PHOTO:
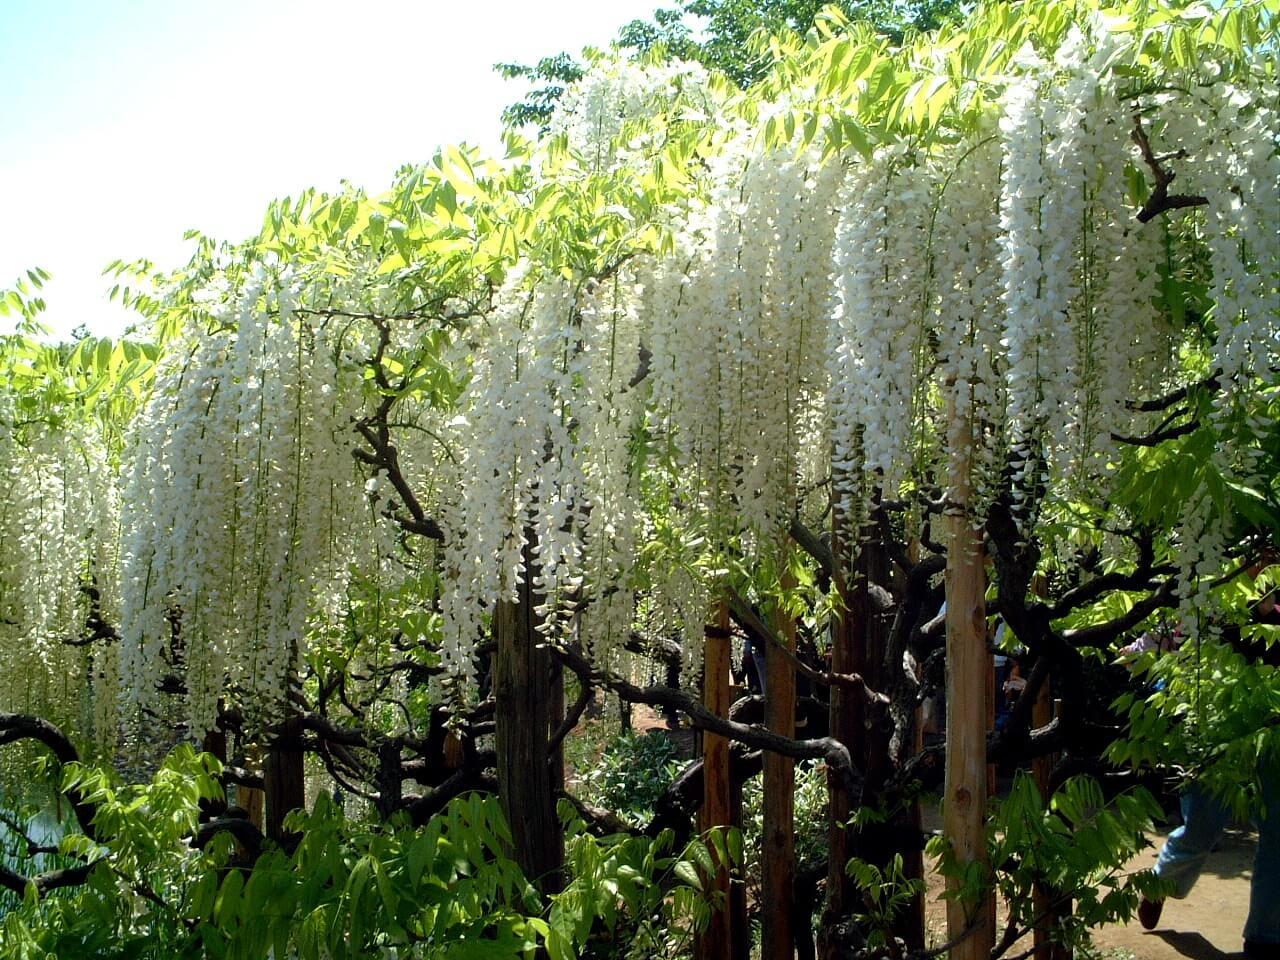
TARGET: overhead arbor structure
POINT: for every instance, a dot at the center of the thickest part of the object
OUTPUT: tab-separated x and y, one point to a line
555	409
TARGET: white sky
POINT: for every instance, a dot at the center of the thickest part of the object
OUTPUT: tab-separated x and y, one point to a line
125	122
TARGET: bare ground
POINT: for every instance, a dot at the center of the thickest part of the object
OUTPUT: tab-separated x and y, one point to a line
1205	926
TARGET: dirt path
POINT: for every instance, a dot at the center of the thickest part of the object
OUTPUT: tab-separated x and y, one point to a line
1205	926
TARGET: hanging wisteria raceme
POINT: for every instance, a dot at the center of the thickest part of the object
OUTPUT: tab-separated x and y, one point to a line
809	302
519	496
739	313
242	506
556	381
1224	141
811	319
1243	231
617	114
609	414
966	269
878	330
1070	112
790	216
1122	342
1029	316
58	535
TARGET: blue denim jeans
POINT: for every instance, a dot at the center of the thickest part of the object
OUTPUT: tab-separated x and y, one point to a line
1204	819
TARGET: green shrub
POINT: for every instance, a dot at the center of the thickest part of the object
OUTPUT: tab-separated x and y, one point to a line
634	771
351	890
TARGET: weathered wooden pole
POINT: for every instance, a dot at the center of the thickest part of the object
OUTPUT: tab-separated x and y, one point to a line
215	743
1044	898
522	674
251	798
1042	715
283	779
715	943
555	716
778	856
970	920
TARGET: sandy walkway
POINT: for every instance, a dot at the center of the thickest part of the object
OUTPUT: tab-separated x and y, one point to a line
1205	926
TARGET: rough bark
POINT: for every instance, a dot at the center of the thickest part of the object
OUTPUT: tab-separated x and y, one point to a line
968	664
522	674
284	782
715	942
848	725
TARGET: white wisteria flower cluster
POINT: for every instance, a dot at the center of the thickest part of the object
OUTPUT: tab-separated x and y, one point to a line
59	531
986	300
810	326
241	506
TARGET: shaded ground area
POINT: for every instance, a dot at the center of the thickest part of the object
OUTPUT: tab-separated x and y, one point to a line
1205	926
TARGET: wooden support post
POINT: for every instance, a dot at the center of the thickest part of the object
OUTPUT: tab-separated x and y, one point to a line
859	646
715	942
1044	711
778	860
215	743
1041	715
522	733
250	798
283	780
964	805
993	778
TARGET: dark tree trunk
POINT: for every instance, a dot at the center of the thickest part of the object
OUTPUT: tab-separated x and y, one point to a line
284	783
847	724
860	640
902	834
717	805
215	743
522	674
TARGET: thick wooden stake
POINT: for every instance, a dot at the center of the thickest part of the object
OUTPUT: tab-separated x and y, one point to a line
993	779
250	798
1041	715
1044	711
283	780
522	713
778	860
717	808
902	834
215	742
969	920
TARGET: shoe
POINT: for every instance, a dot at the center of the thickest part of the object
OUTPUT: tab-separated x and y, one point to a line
1149	913
1257	950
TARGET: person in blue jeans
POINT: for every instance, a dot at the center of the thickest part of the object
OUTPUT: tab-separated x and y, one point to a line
1185	852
